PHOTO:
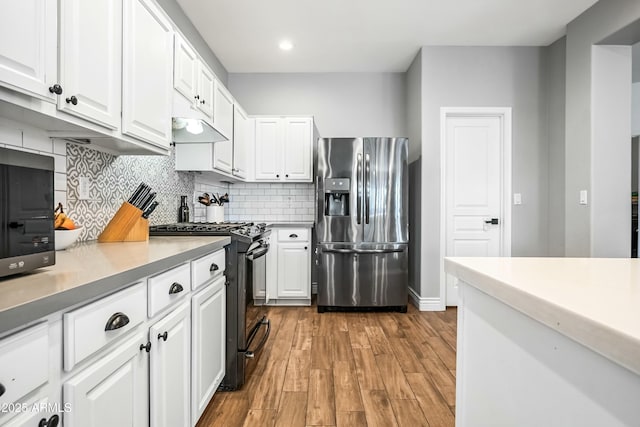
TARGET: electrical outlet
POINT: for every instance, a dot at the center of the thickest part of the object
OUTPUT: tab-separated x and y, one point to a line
83	188
517	199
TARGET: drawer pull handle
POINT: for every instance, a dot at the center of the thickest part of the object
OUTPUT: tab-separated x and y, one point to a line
2	389
214	267
53	421
116	321
163	336
146	347
293	236
175	288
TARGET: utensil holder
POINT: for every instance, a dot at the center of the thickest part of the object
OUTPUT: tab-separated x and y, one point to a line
215	213
127	225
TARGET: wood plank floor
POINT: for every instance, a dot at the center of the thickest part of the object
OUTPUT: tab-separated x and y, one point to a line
347	369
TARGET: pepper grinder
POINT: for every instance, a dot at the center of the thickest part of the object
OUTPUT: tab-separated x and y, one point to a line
183	210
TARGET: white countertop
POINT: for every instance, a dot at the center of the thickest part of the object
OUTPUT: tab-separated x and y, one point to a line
89	269
593	301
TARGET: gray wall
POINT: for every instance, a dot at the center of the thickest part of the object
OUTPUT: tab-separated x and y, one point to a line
175	12
597	23
414	128
343	104
486	77
554	90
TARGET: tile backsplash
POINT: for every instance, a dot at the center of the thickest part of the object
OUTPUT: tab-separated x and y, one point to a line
112	179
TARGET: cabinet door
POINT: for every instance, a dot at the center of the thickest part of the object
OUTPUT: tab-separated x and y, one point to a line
185	69
294	267
268	149
298	142
113	391
170	367
39	409
91	60
208	345
223	120
206	91
29	48
271	291
147	73
240	142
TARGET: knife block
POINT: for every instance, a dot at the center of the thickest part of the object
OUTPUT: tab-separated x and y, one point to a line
127	225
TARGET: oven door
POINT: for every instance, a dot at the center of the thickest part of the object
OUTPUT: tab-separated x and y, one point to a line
258	326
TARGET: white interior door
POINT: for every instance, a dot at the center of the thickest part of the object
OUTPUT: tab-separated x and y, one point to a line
473	190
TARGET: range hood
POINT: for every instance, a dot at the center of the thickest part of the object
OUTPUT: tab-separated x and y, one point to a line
192	130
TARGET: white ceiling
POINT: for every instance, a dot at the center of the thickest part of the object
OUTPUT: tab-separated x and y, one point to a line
367	35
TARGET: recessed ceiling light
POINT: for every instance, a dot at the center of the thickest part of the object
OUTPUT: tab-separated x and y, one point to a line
286	45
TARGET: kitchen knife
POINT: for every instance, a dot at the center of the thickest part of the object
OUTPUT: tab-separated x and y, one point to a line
141	197
150	209
147	201
136	193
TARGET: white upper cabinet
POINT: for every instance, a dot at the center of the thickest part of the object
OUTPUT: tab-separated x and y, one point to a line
147	73
241	135
29	48
91	60
283	149
206	92
298	142
223	120
185	69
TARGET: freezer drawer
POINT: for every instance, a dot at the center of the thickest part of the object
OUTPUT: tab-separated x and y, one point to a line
354	277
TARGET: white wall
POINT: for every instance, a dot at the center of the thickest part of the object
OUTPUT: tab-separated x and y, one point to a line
597	23
486	77
343	104
611	150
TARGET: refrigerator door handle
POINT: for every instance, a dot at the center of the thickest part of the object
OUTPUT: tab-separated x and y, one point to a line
359	189
367	184
363	251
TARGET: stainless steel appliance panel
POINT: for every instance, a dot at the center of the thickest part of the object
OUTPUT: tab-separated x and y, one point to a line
364	276
386	180
340	158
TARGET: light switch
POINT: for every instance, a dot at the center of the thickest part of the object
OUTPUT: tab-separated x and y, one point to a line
583	197
83	188
517	199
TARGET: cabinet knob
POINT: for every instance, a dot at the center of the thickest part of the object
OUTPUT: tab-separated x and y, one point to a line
305	248
52	422
197	97
146	347
277	175
56	88
72	100
202	102
116	321
163	336
175	288
2	389
286	176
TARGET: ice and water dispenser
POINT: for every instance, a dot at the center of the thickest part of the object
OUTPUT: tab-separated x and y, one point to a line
336	197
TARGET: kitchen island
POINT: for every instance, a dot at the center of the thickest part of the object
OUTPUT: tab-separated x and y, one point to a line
90	269
547	341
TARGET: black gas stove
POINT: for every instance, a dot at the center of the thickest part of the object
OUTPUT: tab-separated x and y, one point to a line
246	231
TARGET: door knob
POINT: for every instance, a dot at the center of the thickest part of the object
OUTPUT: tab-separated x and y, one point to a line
492	221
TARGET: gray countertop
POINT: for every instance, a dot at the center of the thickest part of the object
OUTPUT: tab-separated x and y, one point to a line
89	270
303	224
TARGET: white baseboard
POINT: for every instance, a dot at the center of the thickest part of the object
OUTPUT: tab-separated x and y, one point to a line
425	304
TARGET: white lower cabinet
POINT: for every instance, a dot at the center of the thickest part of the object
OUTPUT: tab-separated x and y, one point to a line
207	345
41	411
170	368
288	268
113	391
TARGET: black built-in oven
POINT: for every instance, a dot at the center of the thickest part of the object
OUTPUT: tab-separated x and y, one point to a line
26	211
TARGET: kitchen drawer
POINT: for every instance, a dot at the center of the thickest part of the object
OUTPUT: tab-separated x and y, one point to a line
293	235
206	268
168	288
85	329
24	363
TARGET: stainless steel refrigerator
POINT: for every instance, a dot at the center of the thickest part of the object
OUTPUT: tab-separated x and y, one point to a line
362	226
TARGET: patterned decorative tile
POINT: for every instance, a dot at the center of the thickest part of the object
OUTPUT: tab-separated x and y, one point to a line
114	178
